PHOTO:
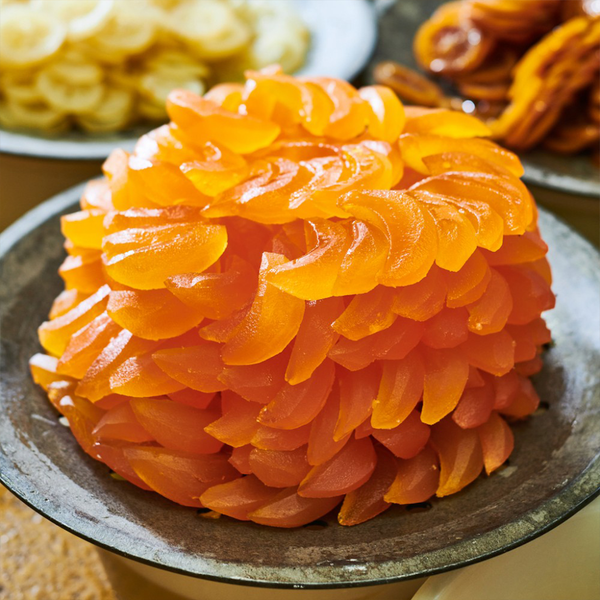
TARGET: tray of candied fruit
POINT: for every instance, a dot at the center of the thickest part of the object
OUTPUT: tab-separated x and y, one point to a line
303	306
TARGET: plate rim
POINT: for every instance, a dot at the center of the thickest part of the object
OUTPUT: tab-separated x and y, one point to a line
580	491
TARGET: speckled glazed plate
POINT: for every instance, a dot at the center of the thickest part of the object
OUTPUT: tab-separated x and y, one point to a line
398	26
343	36
554	470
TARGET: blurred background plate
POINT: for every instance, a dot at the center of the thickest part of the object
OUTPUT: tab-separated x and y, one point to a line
566	174
343	36
554	469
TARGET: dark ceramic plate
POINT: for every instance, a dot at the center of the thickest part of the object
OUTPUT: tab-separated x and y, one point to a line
553	471
398	26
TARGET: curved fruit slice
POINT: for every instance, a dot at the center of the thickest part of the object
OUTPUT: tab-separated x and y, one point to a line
506	389
407	439
83	271
177	426
517	249
497	442
288	509
417	479
446	374
271	323
424	299
474	407
280	469
240	459
114	458
387	113
179	476
525	401
469	284
460	454
216	295
443	122
196	367
367	501
44	370
151	314
493	353
297	405
239	497
65	301
268	438
350	468
192	398
314	339
400	390
120	423
490	313
321	443
202	119
358	392
528	338
84	228
447	329
237	426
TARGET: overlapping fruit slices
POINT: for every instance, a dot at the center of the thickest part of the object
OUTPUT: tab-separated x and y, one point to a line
299	295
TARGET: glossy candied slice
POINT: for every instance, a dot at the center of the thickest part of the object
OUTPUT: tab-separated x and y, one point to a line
86	344
366	314
497	442
416	479
528	338
314	339
177	426
529	368
525	401
152	314
82	416
221	331
400	390
83	272
120	423
463	161
237	425
530	291
469	284
279	468
257	383
490	313
367	501
447	329
269	438
205	120
457	238
163	144
517	249
347	470
84	228
407	439
226	95
114	458
321	443
416	147
410	85
443	122
55	335
393	343
270	325
216	295
424	299
410	232
143	258
313	276
287	509
239	497
240	459
358	392
363	261
44	370
506	389
297	405
216	172
475	379
475	406
160	182
350	114
96	195
446	374
386	120
179	476
460	455
493	353
65	301
143	218
193	397
448	43
196	367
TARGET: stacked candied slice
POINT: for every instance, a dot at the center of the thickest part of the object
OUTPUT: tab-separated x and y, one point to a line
298	295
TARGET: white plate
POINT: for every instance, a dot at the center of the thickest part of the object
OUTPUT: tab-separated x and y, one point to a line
343	36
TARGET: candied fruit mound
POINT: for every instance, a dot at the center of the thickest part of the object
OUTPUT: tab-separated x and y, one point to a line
297	297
